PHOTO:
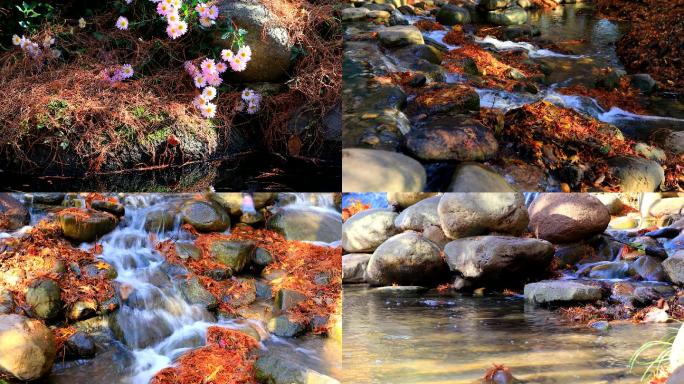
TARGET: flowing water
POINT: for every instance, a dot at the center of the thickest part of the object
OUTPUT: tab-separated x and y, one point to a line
156	322
451	338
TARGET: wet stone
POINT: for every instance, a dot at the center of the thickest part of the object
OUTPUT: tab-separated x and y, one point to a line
288	298
262	257
282	326
452	139
108	206
399	36
80	345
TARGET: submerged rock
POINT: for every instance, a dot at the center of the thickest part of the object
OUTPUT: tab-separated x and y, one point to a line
561	291
567	217
499	261
366	230
370	170
13	214
85	225
275	368
406	259
471	214
27	347
307	224
159	220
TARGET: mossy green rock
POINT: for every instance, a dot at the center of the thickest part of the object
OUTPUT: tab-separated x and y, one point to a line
234	254
195	293
205	216
43	298
284	327
86	225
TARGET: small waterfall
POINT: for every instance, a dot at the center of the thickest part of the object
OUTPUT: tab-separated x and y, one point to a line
156	321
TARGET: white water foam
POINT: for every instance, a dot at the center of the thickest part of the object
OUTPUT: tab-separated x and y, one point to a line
532	51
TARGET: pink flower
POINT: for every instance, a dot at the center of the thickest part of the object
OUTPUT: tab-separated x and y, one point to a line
214	80
206	22
191	69
208	66
221	67
227	54
237	64
200	81
164	9
122	23
212	12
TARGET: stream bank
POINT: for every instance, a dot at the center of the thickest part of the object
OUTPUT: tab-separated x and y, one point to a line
139	288
452	283
469	97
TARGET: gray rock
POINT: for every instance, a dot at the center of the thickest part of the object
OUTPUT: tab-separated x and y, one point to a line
108	206
475	177
6	302
354	14
27	347
399	36
205	216
262	257
307	224
80	345
491	5
366	230
644	82
674	267
48	198
420	215
234	254
451	14
567	217
195	293
275	368
354	267
510	16
160	220
471	214
407	199
370	170
284	327
270	41
499	261
649	268
636	174
561	291
406	259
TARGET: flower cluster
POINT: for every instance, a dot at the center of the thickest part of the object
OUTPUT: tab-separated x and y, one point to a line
252	99
206	78
169	9
33	49
113	76
207	14
238	61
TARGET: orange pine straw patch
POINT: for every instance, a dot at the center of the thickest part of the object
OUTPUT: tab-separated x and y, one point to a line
485	61
455	36
355	207
227	358
37	254
623	97
61	336
428	25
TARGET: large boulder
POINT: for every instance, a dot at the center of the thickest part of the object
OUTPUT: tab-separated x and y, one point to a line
567	217
13	214
269	40
85	225
561	292
406	259
418	216
307	224
366	230
354	267
636	174
472	214
372	170
159	220
27	347
43	299
499	261
205	216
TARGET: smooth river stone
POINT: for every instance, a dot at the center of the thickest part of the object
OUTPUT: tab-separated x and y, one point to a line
370	170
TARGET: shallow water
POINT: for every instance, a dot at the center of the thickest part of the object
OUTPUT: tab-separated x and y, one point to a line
431	338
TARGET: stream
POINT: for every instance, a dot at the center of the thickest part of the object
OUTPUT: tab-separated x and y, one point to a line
156	323
453	338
